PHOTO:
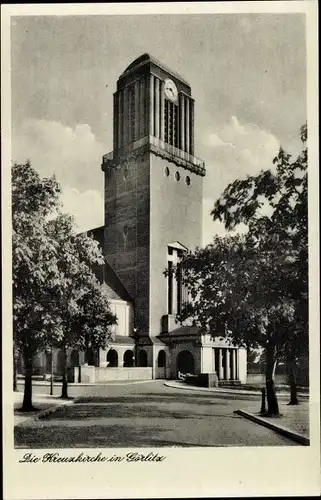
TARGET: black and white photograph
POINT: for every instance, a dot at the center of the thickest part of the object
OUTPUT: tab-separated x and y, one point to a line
160	259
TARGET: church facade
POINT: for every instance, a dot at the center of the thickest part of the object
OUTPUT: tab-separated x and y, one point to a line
153	189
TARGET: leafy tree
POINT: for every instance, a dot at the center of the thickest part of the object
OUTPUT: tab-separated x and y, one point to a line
52	274
253	288
81	304
286	229
34	270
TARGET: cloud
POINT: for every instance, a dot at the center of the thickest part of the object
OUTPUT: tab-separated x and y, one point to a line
74	156
86	207
233	150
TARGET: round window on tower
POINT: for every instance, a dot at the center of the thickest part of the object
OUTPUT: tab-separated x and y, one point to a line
177	176
187	180
166	171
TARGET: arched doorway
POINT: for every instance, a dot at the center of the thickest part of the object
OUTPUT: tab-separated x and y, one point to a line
90	357
48	362
60	362
142	358
128	358
74	358
161	360
20	365
185	362
112	358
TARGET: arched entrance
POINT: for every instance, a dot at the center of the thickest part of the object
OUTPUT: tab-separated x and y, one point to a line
112	358
48	362
185	362
74	358
142	358
90	357
128	358
60	362
161	360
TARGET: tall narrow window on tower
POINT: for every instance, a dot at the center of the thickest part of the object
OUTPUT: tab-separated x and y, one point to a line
170	123
132	114
170	288
176	293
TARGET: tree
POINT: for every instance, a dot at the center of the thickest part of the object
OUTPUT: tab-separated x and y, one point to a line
253	288
51	275
285	192
81	305
34	268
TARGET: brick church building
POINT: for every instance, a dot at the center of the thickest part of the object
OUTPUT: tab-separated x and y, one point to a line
153	188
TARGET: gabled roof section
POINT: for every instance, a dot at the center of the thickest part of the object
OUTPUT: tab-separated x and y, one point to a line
110	281
116	287
98	234
178	246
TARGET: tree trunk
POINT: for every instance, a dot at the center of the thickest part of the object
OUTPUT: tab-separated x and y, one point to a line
64	391
272	402
27	397
291	365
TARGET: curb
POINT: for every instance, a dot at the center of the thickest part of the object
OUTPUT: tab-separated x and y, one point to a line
284	431
52	409
92	384
177	385
44	413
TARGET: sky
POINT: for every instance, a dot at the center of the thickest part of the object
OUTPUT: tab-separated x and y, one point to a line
247	73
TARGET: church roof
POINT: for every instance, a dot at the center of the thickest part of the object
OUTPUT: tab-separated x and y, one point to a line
111	283
148	58
114	285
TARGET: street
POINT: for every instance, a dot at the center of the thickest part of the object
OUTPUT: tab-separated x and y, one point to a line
147	415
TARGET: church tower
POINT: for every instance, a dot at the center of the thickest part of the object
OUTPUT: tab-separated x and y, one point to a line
153	189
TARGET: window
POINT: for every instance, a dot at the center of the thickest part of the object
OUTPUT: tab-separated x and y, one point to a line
170	123
170	288
179	288
187	180
125	235
166	171
177	176
176	292
131	98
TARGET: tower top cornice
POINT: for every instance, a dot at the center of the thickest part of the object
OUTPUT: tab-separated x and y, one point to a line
147	59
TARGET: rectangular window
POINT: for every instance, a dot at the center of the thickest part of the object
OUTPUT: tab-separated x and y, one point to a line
179	289
132	113
170	288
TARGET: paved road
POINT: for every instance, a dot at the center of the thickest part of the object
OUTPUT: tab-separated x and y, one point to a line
147	415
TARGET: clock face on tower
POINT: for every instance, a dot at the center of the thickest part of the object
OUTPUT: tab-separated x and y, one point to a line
171	91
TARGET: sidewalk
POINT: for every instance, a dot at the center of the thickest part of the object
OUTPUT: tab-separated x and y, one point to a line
293	420
42	402
293	417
